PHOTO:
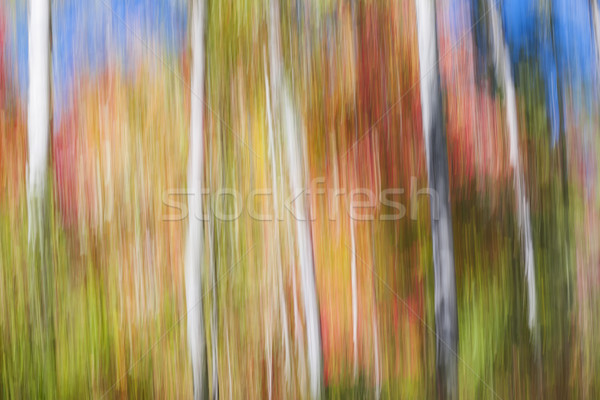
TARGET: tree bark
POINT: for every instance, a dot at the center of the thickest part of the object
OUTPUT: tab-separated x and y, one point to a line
441	222
505	77
291	125
195	236
595	14
274	156
38	117
38	134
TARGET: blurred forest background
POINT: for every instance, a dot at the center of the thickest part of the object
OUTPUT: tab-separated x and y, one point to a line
99	310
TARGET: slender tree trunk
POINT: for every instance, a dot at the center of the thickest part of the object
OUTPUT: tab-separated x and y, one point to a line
38	135
564	285
195	239
292	128
505	77
274	155
595	15
562	138
38	117
304	240
441	219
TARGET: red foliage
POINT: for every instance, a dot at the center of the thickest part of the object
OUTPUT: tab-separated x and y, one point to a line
473	122
64	154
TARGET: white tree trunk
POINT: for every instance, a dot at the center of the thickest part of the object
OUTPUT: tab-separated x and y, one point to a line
446	323
195	237
292	128
305	251
596	26
38	136
274	152
38	116
504	74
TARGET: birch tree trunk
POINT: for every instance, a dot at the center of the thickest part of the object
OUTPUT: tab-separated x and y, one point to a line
195	237
446	323
274	156
40	305
595	14
292	130
504	75
38	118
305	251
